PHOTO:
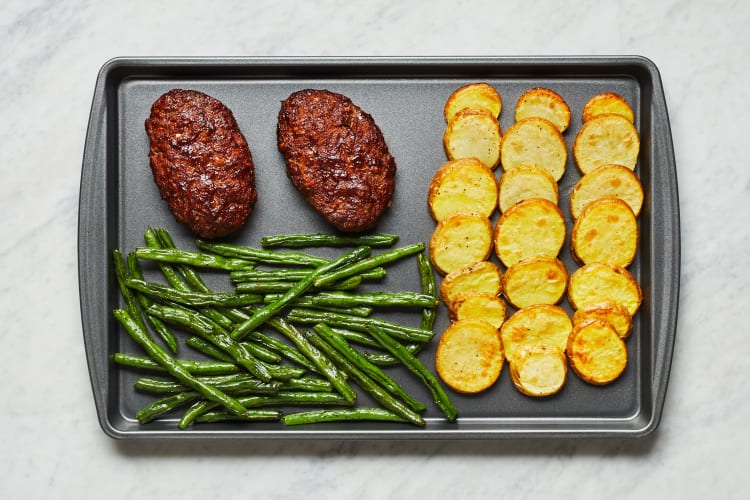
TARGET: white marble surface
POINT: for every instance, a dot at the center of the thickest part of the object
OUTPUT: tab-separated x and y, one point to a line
50	442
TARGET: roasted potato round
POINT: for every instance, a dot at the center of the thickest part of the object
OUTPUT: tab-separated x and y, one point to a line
523	182
599	282
597	354
473	133
531	228
538	370
475	95
469	356
613	313
539	324
604	140
538	280
608	102
481	277
486	306
536	141
607	181
464	185
544	103
605	231
459	240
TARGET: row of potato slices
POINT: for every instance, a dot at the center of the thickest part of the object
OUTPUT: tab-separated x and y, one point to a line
462	197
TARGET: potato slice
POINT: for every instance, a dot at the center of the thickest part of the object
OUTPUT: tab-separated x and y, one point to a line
614	314
481	277
538	370
608	102
488	307
531	228
544	103
523	182
475	95
597	354
607	181
537	141
606	139
606	231
539	324
469	356
599	282
459	240
538	280
473	133
464	185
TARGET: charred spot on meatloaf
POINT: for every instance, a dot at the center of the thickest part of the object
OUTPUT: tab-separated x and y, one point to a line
201	162
336	157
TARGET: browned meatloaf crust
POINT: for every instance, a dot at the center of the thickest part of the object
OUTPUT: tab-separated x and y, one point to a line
336	157
201	162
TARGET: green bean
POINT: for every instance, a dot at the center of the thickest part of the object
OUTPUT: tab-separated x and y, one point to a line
282	348
355	358
259	255
170	364
327	240
224	299
232	385
427	279
307	301
402	332
266	287
256	275
322	363
206	329
197	259
208	349
368	263
415	366
250	416
283	372
165	405
311	384
269	310
379	299
341	414
364	381
386	359
158	325
193	367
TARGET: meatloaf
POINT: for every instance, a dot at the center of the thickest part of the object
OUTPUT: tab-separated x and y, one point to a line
336	157
201	162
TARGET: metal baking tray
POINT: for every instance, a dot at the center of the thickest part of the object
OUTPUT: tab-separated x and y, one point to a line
118	201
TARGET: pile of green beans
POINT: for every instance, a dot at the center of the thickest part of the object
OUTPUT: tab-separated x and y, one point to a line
257	362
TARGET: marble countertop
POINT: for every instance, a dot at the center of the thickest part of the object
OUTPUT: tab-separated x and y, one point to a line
52	446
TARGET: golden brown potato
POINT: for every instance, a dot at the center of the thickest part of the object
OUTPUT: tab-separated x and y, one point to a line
536	141
614	314
605	231
607	181
488	307
531	228
469	356
459	240
473	133
481	277
475	95
544	103
465	185
538	280
599	282
604	140
539	324
597	354
523	182
538	370
608	102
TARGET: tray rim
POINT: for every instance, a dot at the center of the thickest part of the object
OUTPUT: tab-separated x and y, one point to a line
661	366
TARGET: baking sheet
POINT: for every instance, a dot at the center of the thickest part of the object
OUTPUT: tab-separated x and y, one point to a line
119	200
